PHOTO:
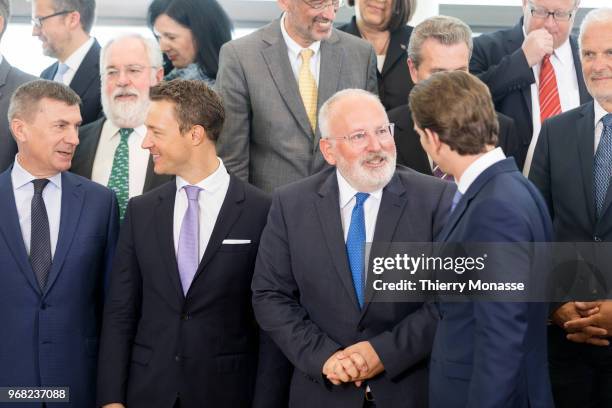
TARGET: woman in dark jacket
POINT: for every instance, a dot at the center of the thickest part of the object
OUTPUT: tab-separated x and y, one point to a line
190	34
383	24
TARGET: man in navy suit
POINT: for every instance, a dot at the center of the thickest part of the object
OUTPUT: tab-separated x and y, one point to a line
179	329
570	156
516	63
57	237
308	287
63	27
485	354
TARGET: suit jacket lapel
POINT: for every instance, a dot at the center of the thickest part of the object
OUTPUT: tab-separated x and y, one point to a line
229	214
391	208
83	161
11	230
328	210
5	67
82	78
515	41
72	204
277	60
331	63
397	48
164	213
586	150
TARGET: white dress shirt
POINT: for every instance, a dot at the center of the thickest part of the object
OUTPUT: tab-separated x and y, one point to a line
139	157
294	49
600	112
74	61
23	189
211	197
478	167
562	61
347	202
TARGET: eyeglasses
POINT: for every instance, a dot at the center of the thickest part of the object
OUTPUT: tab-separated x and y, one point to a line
37	21
360	137
557	15
131	72
321	4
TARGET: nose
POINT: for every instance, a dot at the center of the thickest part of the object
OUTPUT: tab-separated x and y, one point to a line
164	45
329	12
374	144
146	142
123	79
35	31
72	136
550	23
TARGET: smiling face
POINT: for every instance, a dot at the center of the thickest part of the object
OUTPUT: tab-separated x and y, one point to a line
596	58
55	32
47	141
306	24
176	41
375	14
368	168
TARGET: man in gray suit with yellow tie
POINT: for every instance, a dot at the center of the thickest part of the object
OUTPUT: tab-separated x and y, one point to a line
273	82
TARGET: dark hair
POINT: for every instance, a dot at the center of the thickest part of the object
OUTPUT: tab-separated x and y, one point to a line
194	104
458	107
208	22
403	10
25	99
85	8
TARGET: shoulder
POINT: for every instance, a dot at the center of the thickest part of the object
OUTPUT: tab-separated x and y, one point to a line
91	187
254	197
423	183
495	38
46	74
18	77
569	117
254	39
400	115
92	127
352	41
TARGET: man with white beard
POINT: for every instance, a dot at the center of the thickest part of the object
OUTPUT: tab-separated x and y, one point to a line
110	151
309	283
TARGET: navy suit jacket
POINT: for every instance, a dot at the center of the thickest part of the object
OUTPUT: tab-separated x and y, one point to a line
303	293
51	338
158	344
86	83
493	354
498	60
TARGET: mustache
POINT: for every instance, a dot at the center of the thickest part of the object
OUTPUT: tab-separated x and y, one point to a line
125	92
602	75
375	156
321	19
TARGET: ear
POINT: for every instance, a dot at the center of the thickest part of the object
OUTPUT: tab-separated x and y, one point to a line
159	75
198	135
413	70
19	130
2	24
283	4
433	139
74	20
327	150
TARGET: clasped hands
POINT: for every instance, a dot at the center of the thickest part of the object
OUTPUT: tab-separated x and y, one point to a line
586	322
354	364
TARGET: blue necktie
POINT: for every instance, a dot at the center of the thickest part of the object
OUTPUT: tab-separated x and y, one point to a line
355	245
61	71
456	199
602	166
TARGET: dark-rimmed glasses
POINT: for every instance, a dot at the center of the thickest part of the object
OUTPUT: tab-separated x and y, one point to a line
37	21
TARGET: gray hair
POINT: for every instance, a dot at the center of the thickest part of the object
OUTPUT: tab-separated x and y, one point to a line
5	13
152	47
25	99
444	29
327	108
85	8
600	15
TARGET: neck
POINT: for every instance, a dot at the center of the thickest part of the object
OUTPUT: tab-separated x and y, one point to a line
78	39
375	36
200	167
606	104
31	168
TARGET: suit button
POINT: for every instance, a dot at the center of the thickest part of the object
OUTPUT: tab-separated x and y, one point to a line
596	239
43	306
185	316
177	358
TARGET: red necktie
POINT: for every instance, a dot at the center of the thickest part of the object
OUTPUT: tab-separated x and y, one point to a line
550	104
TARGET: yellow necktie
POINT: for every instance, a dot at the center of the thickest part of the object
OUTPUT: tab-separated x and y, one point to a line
308	87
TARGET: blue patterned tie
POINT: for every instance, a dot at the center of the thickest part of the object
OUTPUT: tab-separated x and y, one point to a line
40	237
61	71
456	199
355	245
119	180
602	166
188	257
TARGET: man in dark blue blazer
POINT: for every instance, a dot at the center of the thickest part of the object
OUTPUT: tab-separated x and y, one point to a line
63	27
485	354
509	61
57	238
564	168
308	290
179	329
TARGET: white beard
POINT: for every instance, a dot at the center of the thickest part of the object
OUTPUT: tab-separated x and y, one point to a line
126	114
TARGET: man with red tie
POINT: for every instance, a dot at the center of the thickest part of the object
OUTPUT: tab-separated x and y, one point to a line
533	69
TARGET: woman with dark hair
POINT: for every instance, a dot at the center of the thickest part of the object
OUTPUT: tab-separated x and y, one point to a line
383	24
190	34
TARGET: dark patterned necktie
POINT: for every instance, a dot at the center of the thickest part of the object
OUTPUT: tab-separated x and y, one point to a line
40	238
119	180
602	169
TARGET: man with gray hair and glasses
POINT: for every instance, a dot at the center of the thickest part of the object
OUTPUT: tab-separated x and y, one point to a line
110	151
10	79
533	69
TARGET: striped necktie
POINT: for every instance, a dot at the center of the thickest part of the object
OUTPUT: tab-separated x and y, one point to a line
550	104
308	87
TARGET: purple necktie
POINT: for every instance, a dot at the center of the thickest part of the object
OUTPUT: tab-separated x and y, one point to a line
189	239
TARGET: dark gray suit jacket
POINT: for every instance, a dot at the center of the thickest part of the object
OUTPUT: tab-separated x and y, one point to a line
10	79
83	160
303	293
267	138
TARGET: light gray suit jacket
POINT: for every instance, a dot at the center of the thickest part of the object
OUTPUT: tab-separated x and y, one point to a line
267	139
10	79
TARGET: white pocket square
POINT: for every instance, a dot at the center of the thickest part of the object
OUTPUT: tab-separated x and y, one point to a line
236	241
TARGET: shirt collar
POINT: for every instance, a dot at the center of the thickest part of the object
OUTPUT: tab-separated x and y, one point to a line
211	183
21	177
600	112
114	130
292	45
77	57
347	192
478	167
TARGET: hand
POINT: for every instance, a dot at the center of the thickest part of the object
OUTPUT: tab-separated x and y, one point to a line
537	45
601	319
113	405
565	313
373	364
340	368
586	309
